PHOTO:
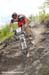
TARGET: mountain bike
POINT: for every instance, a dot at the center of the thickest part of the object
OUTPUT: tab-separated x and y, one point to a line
20	34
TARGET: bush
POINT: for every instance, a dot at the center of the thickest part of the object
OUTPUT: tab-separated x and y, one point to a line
5	32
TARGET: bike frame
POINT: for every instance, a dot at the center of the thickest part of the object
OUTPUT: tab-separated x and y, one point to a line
22	38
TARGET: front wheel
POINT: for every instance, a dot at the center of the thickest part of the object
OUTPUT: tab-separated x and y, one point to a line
23	42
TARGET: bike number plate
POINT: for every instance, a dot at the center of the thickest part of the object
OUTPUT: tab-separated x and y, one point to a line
18	30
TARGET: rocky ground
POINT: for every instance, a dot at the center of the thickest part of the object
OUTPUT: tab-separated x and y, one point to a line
36	61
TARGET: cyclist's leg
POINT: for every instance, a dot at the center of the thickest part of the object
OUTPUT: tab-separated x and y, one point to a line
28	30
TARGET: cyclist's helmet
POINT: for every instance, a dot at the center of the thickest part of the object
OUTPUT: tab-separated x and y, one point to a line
14	15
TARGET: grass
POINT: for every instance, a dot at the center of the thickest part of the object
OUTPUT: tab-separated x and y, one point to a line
7	36
5	32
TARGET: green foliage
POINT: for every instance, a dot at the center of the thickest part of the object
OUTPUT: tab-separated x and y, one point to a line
33	18
5	32
43	17
15	26
46	3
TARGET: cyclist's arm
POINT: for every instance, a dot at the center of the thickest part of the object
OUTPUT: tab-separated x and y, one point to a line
11	23
27	20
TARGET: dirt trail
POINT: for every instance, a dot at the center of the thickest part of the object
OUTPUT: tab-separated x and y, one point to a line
36	62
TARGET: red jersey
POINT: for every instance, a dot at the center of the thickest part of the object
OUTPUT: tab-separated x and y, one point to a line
22	20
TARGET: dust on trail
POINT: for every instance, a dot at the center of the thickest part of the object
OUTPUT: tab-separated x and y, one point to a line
37	58
37	31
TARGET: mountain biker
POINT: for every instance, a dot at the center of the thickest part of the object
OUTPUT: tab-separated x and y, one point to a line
22	22
21	19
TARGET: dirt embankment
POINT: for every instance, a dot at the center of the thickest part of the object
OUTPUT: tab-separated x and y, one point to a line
36	62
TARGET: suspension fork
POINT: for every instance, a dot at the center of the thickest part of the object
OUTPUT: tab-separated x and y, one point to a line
23	42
